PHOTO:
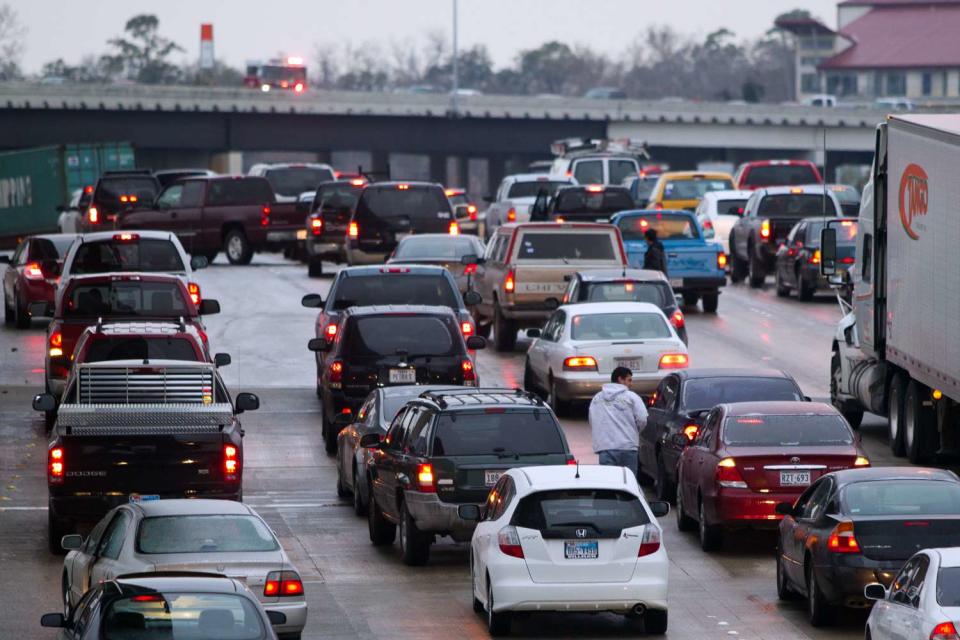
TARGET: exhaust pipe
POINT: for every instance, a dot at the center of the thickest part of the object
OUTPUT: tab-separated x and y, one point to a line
639	609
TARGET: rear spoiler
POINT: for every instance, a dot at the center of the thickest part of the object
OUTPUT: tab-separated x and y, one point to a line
154	419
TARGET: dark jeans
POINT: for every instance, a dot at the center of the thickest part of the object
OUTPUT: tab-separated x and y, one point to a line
620	458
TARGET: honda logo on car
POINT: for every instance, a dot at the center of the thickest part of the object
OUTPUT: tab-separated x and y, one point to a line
581	533
913	197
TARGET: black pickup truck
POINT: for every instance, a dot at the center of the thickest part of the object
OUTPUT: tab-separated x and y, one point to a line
129	428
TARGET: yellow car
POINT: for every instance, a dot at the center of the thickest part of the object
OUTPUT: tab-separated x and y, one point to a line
685	189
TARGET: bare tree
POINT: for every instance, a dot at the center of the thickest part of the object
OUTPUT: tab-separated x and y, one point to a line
11	42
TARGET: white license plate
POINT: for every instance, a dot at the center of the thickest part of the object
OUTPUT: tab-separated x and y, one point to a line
581	550
490	477
794	478
403	376
676	283
540	287
301	234
634	364
137	498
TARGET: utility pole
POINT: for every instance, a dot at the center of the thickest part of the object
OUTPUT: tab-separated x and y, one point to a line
455	98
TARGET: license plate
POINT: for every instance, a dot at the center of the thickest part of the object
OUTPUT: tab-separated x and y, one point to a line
403	376
581	550
794	478
634	364
143	497
540	287
676	283
301	234
490	477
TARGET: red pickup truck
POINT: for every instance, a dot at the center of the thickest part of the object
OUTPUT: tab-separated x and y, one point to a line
236	214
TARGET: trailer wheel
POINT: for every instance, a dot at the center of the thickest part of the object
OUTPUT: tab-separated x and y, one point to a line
920	426
895	417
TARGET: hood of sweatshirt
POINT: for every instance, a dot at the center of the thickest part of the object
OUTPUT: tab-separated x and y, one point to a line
611	390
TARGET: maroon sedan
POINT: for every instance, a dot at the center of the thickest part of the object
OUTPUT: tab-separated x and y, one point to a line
33	275
750	456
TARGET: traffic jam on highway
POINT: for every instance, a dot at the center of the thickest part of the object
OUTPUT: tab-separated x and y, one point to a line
587	268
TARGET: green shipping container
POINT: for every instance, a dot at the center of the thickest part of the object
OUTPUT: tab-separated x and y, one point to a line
34	182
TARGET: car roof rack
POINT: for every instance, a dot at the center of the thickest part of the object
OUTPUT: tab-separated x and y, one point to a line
127	172
573	146
482	395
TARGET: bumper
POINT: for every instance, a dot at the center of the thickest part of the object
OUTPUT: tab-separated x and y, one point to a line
843	583
321	248
811	275
583	386
433	515
743	507
359	256
93	507
533	314
701	284
296	613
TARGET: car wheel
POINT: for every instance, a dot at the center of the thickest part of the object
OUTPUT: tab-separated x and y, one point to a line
919	425
8	315
359	507
560	407
804	290
528	383
414	544
691	299
504	331
710	302
382	531
211	256
895	417
21	315
738	266
660	483
341	490
56	529
819	611
853	416
784	592
758	273
684	522
237	247
498	622
710	535
315	268
65	588
655	622
783	291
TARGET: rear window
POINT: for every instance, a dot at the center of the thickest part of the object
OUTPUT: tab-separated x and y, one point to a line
292	181
731	207
110	190
172	616
846	232
795	205
140	348
147	254
204	534
416	335
337	197
48	248
902	498
606	202
235	192
533	189
779	175
694	188
619	326
420	247
125	299
363	291
652	292
277	73
786	431
392	202
707	393
669	226
497	432
536	245
621	169
603	510
948	587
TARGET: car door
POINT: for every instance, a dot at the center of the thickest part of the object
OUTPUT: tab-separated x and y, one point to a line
539	353
742	227
188	221
691	462
84	616
351	435
805	523
78	569
387	463
107	565
900	616
657	418
12	272
485	534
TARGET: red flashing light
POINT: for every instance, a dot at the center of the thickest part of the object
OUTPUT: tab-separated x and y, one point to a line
674	361
231	463
509	284
55	465
353	230
33	271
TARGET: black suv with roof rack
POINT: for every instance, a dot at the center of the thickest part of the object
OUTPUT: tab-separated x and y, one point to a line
116	191
448	448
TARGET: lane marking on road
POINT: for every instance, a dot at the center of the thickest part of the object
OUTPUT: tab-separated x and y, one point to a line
23	508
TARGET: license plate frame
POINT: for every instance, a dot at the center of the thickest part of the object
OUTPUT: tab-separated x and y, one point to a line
795	478
581	549
138	498
676	283
491	477
301	234
405	375
634	363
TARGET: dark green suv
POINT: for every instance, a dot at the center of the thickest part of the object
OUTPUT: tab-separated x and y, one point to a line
448	448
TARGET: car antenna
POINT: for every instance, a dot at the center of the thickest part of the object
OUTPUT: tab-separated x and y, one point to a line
577	476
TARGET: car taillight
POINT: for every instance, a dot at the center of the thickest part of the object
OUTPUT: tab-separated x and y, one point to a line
846	260
126	237
33	271
509	541
454	228
650	543
336	374
765	229
469	375
316	226
721	261
658	205
509	284
298	87
467	328
353	230
691	431
861	461
676	319
674	361
944	631
56	462
511	215
231	463
425	478
580	363
842	540
93	215
331	331
283	583
472	212
56	344
728	476
264	216
815	258
571	461
470	269
194	289
707	224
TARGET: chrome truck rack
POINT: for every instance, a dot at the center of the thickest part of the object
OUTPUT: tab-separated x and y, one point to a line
143	419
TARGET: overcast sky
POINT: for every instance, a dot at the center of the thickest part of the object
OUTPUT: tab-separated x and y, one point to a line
249	30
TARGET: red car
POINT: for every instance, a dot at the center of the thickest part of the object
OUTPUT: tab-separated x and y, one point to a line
33	275
750	456
149	340
776	173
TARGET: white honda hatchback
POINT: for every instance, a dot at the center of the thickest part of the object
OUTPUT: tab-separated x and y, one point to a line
566	538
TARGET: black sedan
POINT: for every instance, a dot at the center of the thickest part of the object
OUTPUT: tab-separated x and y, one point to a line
798	258
851	528
684	398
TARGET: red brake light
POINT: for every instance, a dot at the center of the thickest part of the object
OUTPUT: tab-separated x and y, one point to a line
674	361
842	540
93	215
336	374
403	187
470	269
677	320
331	331
454	228
658	205
194	290
298	87
472	211
55	466
469	375
728	476
707	224
316	225
264	216
846	260
353	230
765	229
33	271
126	237
650	543
358	182
509	541
580	363
815	258
283	583
721	261
56	344
511	215
691	431
571	461
88	188
467	328
595	188
425	478
944	631
509	284
231	463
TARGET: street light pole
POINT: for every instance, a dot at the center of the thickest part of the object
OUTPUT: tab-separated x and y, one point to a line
456	66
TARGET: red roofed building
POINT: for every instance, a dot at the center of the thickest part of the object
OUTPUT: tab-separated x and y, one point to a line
881	49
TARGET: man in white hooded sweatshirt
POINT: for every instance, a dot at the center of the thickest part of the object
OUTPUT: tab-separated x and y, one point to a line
617	415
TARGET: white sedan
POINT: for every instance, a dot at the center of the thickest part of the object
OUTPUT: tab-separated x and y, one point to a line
209	536
581	344
564	538
718	211
923	601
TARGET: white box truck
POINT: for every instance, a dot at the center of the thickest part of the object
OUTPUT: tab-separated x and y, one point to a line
896	352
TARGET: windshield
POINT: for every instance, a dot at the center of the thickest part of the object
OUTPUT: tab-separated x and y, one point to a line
140	348
507	434
363	291
127	298
292	181
565	246
619	326
796	205
780	175
136	191
786	431
603	203
147	254
533	189
948	587
732	207
340	197
694	188
902	498
236	192
415	335
669	226
204	534
657	293
391	202
183	616
603	510
436	248
706	393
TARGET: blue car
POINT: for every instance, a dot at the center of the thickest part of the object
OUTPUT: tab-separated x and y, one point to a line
695	267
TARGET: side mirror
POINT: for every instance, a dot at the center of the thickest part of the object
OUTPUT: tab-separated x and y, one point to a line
208	307
783	509
807	399
371	440
276	617
199	262
247	402
534	333
659	508
469	512
470	258
343	419
319	345
71	542
40	310
312	301
44	402
828	251
222	359
476	342
55	620
472	298
875	591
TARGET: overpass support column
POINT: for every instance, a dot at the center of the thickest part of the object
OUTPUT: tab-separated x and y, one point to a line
229	162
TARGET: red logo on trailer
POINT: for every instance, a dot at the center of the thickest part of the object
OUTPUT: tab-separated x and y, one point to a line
914	197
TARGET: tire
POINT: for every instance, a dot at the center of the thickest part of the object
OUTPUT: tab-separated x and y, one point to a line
684	522
211	256
359	507
757	270
528	384
341	490
804	291
498	623
852	415
784	592
920	424
56	529
710	303
655	622
330	439
560	407
691	299
782	291
8	314
738	267
895	417
237	247
21	317
382	531
414	544
819	611
65	596
315	268
504	331
710	535
661	486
